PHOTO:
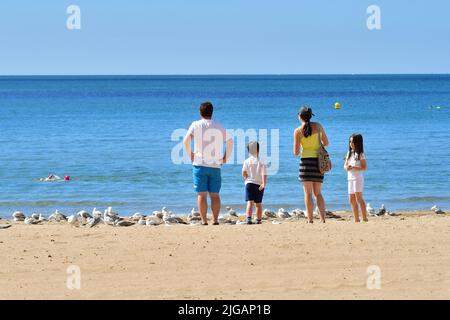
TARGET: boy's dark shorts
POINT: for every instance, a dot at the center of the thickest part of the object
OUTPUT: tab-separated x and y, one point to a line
252	193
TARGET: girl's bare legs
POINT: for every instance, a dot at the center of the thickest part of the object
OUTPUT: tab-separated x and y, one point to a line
308	190
258	211
249	211
362	205
354	204
319	200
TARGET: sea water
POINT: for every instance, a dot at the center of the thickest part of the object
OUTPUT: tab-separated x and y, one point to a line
112	136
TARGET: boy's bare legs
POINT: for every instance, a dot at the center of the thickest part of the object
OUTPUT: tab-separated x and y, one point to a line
202	203
215	206
258	211
362	205
249	210
308	190
319	200
354	204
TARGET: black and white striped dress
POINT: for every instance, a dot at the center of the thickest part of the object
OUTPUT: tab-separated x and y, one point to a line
309	170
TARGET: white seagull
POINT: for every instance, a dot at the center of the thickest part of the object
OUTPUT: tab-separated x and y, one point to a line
370	210
283	214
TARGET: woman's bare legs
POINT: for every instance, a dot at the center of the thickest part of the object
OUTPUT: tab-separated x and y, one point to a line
319	200
308	188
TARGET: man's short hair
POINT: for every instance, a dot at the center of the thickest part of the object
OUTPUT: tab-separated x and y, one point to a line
253	148
206	110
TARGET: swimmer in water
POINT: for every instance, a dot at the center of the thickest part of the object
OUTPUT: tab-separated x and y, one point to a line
51	177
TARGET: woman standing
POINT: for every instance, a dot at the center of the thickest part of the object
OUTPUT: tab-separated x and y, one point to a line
307	138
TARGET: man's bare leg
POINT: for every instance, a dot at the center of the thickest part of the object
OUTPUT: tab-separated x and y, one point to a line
215	205
202	202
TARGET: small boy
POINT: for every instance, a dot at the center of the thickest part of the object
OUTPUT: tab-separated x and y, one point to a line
255	174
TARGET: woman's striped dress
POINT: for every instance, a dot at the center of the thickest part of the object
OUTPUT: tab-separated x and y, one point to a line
309	162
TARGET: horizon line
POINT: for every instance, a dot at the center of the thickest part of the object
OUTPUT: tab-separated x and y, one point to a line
218	74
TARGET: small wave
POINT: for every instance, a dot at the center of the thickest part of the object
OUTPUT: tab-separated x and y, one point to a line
424	199
54	203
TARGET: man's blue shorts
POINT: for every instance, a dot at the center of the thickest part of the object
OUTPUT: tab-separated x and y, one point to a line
206	179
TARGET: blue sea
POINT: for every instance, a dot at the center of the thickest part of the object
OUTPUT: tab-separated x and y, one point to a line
112	135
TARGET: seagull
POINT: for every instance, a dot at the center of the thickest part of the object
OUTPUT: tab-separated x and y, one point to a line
96	213
166	212
297	213
73	220
437	210
153	221
35	216
232	212
92	222
18	216
158	214
31	221
111	213
141	221
222	219
392	214
194	218
58	216
370	210
108	220
382	210
42	218
137	216
169	219
123	223
269	214
83	214
283	214
194	214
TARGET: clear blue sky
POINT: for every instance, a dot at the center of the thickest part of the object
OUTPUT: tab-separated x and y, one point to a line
224	37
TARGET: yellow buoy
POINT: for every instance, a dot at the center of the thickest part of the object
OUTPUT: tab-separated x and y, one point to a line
337	105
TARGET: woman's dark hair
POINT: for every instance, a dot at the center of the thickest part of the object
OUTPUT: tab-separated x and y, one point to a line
306	114
359	146
206	110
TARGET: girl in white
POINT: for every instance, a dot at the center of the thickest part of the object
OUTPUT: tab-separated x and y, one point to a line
355	164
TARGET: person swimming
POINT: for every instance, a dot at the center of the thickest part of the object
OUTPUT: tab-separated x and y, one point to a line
52	177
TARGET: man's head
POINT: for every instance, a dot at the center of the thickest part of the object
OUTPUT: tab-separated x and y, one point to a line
206	110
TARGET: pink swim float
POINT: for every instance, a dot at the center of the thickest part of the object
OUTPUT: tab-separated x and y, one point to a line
67	178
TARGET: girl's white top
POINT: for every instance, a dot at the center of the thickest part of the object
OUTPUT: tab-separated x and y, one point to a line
355	174
255	170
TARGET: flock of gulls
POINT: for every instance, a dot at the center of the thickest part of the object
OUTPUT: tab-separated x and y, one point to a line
166	217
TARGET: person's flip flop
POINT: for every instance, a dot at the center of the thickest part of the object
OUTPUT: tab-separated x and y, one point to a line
215	224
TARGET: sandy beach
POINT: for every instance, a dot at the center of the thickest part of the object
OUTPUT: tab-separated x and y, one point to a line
292	260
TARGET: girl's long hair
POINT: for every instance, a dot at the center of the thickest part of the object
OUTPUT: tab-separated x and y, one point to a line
359	146
306	115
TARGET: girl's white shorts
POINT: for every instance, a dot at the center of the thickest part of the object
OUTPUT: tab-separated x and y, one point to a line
355	186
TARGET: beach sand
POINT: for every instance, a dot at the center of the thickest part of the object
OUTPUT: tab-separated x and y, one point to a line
292	260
